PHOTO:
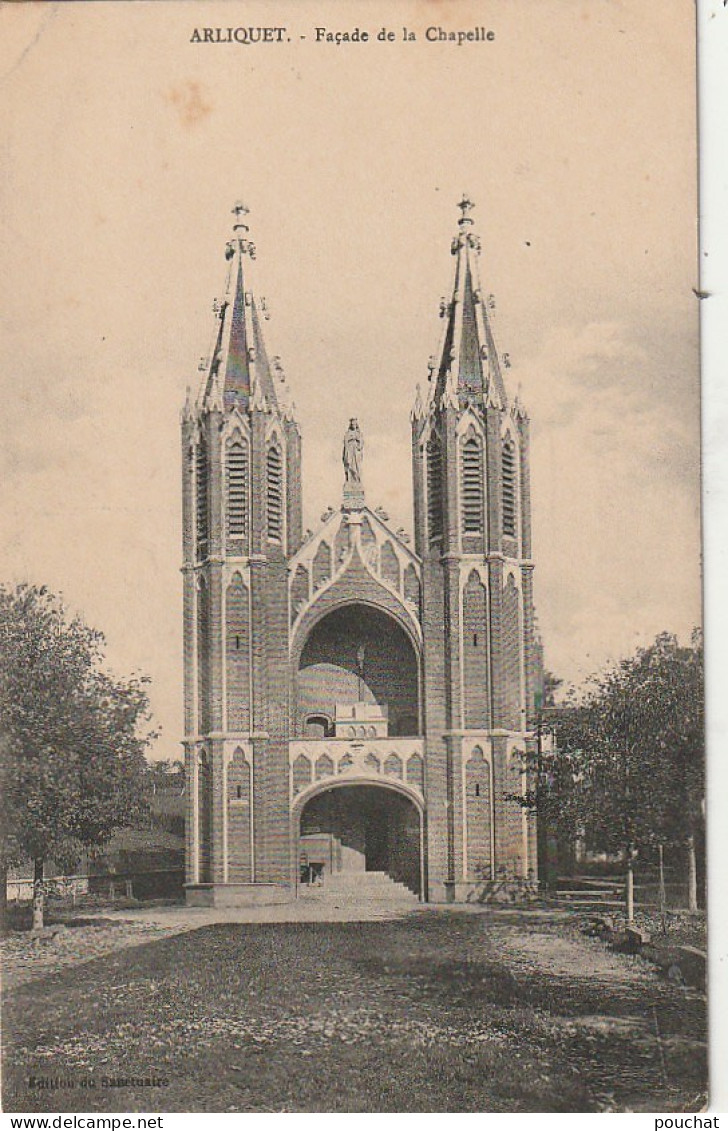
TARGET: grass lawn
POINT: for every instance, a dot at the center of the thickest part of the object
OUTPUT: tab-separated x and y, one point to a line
439	1011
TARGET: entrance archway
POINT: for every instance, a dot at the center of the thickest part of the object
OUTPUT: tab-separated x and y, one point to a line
361	828
357	655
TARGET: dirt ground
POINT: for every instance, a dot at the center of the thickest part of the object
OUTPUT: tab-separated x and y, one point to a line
434	1010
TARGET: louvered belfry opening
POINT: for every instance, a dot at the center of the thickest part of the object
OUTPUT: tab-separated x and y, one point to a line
472	486
434	487
201	495
274	481
237	478
508	466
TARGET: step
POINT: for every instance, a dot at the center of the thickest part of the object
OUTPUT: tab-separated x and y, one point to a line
354	879
348	879
357	887
383	891
353	898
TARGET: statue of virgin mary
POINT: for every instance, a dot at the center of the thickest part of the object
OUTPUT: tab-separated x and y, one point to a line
353	452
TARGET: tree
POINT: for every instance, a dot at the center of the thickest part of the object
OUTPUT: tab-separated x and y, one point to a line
637	747
549	785
163	773
72	737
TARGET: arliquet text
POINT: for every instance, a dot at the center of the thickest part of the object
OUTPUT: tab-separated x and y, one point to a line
243	35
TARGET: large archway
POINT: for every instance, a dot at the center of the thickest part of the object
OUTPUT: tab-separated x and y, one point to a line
357	655
361	828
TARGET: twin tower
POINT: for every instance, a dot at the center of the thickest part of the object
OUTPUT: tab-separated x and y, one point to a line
356	708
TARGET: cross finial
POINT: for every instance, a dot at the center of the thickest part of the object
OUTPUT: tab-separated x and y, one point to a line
238	212
466	206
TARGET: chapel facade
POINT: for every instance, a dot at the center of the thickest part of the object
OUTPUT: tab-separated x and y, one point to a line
358	709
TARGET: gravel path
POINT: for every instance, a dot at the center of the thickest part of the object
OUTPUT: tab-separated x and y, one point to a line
580	957
96	933
543	945
25	959
460	1009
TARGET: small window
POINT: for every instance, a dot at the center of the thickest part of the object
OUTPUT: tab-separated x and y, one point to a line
201	491
318	726
274	480
508	471
236	477
471	486
434	488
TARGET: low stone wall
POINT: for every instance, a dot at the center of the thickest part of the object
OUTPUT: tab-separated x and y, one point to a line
237	895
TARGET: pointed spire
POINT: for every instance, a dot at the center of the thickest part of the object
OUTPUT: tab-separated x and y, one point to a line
467	369
213	401
258	402
518	409
417	408
187	410
239	371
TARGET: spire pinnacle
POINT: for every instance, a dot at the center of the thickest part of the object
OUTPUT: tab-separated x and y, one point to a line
239	210
187	411
241	232
466	206
467	371
238	372
417	408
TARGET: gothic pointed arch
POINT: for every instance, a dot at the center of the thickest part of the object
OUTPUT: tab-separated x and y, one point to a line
515	814
478	814
472	484
204	817
203	671
201	496
237	487
433	453
237	658
356	654
476	654
324	767
239	854
509	486
512	654
355	585
274	491
393	765
302	771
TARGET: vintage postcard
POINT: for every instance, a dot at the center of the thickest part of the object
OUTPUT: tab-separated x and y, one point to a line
351	668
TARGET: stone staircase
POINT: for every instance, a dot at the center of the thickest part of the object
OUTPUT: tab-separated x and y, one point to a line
350	888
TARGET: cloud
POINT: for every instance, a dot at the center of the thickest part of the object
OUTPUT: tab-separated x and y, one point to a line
615	484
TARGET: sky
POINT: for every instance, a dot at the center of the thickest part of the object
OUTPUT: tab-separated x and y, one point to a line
124	147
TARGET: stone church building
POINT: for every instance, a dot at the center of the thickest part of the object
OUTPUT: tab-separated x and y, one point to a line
357	708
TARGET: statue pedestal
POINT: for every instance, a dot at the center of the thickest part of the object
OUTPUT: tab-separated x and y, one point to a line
353	497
